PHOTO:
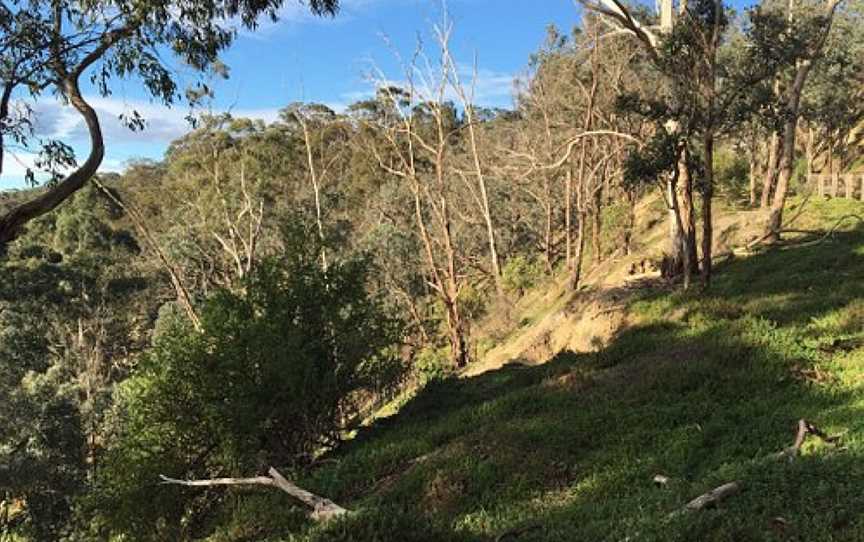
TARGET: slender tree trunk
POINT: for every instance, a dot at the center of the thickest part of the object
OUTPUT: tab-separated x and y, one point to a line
787	159
579	257
680	260
447	292
484	199
754	169
674	264
316	188
793	106
771	170
707	218
775	217
548	234
568	217
631	221
686	210
183	296
458	341
596	228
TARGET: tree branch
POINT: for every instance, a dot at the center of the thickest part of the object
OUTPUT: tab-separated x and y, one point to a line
322	509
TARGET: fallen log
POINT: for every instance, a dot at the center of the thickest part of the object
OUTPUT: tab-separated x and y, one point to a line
322	509
711	498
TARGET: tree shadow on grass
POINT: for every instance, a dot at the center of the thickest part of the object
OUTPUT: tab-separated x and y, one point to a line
568	449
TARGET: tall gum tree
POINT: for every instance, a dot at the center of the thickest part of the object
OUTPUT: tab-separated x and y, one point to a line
48	46
791	107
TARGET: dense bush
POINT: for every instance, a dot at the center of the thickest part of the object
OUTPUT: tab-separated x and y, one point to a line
521	273
279	370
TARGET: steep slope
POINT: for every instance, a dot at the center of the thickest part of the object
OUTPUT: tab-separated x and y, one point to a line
704	390
555	319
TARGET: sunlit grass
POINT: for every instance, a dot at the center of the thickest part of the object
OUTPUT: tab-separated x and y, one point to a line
703	389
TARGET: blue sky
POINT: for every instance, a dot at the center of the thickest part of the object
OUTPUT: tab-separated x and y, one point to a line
322	60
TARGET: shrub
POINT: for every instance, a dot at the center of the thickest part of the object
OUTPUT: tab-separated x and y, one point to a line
432	364
280	368
521	273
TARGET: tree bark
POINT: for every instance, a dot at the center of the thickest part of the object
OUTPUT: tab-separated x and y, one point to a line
787	159
771	170
12	222
687	209
754	171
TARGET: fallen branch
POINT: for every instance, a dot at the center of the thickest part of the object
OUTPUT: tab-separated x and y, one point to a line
836	226
822	239
711	498
322	509
805	428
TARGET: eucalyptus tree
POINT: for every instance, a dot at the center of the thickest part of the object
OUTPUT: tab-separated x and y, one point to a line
832	107
806	33
668	108
49	46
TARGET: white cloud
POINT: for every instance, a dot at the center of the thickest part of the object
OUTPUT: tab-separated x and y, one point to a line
294	13
490	88
56	121
162	124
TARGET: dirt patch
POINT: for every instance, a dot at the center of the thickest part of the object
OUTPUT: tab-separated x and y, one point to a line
589	319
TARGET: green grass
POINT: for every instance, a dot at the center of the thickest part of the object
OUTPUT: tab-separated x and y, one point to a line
702	389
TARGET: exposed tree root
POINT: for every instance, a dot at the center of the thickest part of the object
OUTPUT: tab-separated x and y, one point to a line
322	509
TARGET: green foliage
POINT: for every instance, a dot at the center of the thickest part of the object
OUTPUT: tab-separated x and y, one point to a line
566	451
432	364
732	175
381	524
67	322
656	158
279	370
521	273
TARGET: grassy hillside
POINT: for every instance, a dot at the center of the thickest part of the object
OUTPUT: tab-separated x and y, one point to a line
703	389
